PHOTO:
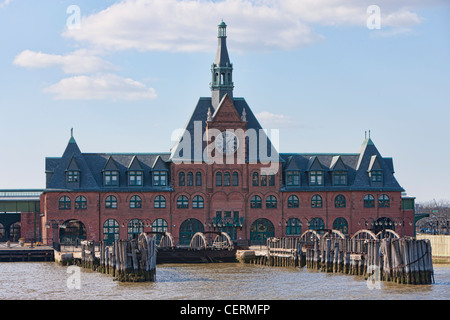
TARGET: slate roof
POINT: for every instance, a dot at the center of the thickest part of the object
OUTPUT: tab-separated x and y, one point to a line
199	117
357	166
92	165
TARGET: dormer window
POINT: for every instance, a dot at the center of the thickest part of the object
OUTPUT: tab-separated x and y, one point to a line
111	178
316	178
73	176
159	178
340	178
376	175
292	178
135	178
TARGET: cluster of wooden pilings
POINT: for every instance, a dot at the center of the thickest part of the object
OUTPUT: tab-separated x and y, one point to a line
283	252
126	260
404	260
400	260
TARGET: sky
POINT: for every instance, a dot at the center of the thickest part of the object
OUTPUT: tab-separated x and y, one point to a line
126	75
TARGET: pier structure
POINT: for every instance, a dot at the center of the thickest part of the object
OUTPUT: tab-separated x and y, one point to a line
383	256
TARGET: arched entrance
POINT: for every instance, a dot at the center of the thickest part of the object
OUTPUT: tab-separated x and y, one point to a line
260	230
188	228
71	231
14	232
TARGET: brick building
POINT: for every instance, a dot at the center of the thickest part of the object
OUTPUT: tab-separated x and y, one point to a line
223	174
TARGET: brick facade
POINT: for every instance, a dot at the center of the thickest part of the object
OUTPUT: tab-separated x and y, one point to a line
250	202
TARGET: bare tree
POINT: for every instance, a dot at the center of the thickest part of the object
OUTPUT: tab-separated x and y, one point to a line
439	220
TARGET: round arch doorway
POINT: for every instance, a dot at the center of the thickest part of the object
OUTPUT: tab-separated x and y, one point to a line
188	228
71	232
260	230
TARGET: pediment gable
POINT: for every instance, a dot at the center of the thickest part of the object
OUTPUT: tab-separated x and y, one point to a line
337	164
73	165
159	164
375	164
111	165
226	111
135	164
314	164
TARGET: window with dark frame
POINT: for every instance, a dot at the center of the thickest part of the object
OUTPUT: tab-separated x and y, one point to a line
111	202
293	201
316	201
80	203
111	178
135	202
64	203
160	202
135	178
182	202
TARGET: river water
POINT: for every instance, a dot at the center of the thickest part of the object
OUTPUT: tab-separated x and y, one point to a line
227	281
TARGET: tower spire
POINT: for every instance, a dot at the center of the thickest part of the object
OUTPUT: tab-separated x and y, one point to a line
221	69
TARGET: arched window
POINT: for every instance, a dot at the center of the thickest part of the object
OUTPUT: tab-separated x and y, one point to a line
110	231
293	227
190	179
135	202
181	179
255	202
198	202
260	230
64	203
80	202
339	201
218	179
255	179
316	224
316	201
182	202
226	179
198	179
188	228
384	201
369	201
235	179
160	225
293	201
160	202
271	202
341	224
111	202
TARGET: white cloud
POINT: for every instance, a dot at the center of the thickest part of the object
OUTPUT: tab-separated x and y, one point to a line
272	120
4	3
78	62
185	25
100	87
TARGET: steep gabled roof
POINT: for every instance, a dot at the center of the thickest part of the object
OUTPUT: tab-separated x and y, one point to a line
73	158
110	165
337	164
188	148
135	164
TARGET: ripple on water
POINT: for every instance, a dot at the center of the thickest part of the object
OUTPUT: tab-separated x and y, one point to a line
208	281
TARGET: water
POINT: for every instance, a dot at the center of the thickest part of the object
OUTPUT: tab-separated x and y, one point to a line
237	281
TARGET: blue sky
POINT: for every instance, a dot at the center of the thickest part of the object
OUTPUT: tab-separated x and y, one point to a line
133	71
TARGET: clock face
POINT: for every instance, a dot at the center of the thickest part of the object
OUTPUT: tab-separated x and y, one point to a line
227	142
